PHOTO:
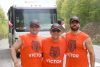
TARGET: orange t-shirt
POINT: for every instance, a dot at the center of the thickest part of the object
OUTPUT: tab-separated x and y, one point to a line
76	50
31	51
53	52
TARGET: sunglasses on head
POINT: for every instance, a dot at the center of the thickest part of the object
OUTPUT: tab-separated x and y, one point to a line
55	30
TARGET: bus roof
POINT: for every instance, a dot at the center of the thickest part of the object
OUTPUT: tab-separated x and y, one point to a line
35	3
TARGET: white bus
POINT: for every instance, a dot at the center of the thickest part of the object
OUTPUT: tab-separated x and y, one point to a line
21	14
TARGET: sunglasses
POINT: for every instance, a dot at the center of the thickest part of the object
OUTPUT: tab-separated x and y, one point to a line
34	26
55	30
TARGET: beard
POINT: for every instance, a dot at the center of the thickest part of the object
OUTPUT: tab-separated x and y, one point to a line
74	28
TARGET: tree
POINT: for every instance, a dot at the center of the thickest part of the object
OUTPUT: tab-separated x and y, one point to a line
59	7
81	10
2	16
86	10
94	11
66	9
3	24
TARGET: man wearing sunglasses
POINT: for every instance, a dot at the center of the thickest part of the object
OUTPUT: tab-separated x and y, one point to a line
54	48
30	48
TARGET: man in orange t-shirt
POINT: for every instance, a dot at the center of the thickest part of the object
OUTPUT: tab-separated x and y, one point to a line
30	48
78	46
53	48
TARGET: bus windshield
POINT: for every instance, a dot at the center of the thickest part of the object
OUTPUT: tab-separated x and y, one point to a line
23	17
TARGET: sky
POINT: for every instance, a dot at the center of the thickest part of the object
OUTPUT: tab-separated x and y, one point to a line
5	4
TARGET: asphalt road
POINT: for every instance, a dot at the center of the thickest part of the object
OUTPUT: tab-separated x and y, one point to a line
5	57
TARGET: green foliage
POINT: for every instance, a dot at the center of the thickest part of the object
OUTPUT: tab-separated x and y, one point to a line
59	6
3	25
95	10
70	4
3	29
86	10
2	14
81	9
63	9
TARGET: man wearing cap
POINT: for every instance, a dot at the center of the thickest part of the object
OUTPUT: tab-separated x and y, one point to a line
53	48
30	48
60	22
79	45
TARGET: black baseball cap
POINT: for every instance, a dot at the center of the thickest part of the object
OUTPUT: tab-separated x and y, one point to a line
74	18
56	27
34	23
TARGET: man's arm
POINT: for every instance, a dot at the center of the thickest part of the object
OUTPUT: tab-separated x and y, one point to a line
90	49
14	49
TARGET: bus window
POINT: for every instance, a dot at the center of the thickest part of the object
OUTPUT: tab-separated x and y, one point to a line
20	27
45	16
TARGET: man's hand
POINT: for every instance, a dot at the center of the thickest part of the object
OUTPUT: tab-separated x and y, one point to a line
17	65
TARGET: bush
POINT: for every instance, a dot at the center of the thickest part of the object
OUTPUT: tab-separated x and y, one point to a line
3	29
